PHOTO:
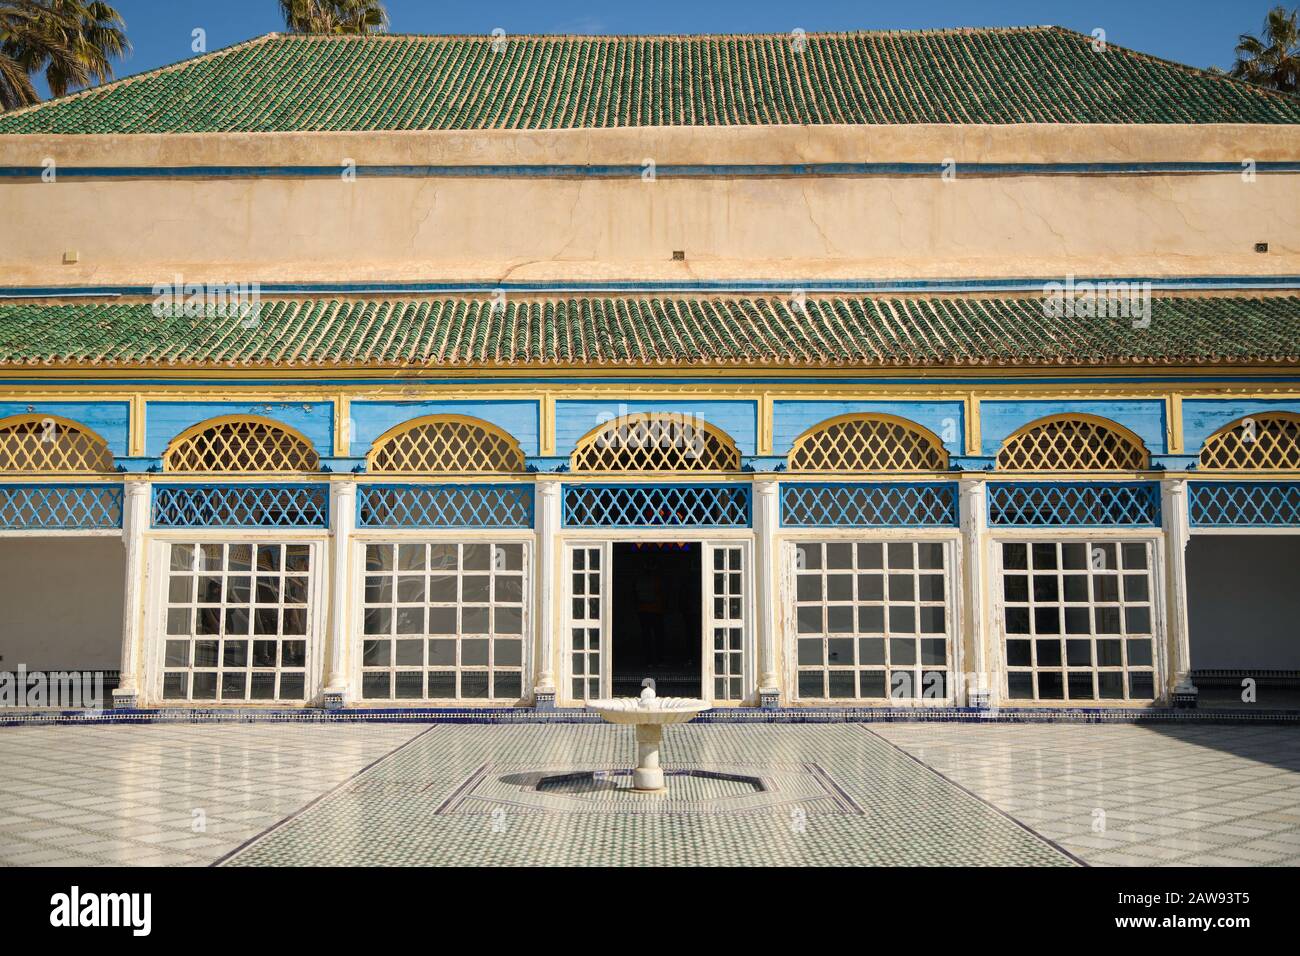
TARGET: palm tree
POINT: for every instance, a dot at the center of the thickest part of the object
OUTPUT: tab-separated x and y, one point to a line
334	16
70	41
95	32
1274	59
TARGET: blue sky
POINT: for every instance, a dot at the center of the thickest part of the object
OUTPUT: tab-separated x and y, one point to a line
1198	32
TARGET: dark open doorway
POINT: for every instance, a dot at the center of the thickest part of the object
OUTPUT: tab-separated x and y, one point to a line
656	615
1243	613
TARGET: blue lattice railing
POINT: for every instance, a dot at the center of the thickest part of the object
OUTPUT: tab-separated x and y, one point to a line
1080	504
241	506
886	505
657	506
1244	504
445	506
60	507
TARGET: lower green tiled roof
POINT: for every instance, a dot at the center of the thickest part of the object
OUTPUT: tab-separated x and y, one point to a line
1016	75
852	331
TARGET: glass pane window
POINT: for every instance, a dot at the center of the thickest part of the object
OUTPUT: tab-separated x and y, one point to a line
1077	620
443	620
872	620
727	622
236	622
586	594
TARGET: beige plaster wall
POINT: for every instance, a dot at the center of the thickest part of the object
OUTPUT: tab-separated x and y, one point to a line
919	143
141	231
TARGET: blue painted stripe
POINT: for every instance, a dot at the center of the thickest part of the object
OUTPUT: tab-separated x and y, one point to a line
636	170
782	286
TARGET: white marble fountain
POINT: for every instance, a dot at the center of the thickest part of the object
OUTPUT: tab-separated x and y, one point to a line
650	713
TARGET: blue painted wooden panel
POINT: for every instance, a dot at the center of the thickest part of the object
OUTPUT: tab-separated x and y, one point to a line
110	420
1144	417
520	419
790	419
1203	417
738	419
165	420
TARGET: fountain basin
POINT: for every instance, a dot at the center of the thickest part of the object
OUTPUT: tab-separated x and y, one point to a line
663	710
649	714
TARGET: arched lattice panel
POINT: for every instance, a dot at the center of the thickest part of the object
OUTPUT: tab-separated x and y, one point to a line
1073	443
42	444
656	443
445	444
1269	441
867	443
240	445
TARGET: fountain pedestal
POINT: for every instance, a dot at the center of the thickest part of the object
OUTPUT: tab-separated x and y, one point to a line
648	775
649	714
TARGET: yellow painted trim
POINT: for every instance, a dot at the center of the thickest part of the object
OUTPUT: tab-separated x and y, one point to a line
342	427
1107	423
934	440
206	424
136	428
1233	425
546	425
1174	424
400	429
766	424
622	420
974	425
67	423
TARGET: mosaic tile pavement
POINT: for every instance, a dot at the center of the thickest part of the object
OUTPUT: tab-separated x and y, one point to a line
1178	795
389	815
94	796
852	794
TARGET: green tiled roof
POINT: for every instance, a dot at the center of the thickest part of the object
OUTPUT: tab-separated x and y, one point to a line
1013	75
647	332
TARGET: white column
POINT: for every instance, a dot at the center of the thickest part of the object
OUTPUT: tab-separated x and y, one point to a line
135	521
547	525
343	517
766	522
1173	492
978	684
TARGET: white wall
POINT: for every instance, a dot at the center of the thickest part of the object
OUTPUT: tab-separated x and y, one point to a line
1243	597
61	603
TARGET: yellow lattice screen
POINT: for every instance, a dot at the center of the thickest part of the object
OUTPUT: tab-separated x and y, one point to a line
39	443
867	443
656	443
446	445
240	445
1072	444
1268	442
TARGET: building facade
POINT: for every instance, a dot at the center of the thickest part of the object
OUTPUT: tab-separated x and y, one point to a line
875	370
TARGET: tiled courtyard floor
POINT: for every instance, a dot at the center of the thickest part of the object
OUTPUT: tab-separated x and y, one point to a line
939	794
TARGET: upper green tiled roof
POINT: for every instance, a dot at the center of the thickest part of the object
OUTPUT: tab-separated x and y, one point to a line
641	332
1014	75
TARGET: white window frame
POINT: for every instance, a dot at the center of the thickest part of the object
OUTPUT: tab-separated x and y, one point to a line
606	550
707	538
157	566
996	625
359	540
949	538
710	622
